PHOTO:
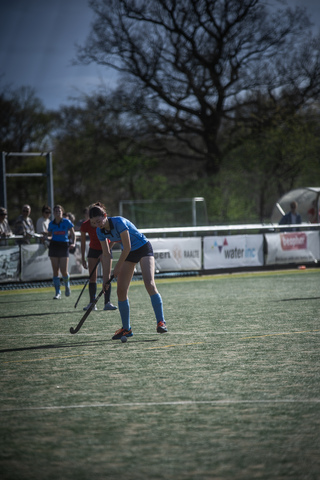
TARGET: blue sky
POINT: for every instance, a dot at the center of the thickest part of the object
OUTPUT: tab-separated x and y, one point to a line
37	46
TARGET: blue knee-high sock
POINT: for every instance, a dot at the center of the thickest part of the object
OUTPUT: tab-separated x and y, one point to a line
157	305
56	283
124	310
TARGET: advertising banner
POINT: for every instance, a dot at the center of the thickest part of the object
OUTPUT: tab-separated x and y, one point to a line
176	254
9	264
292	247
232	251
36	264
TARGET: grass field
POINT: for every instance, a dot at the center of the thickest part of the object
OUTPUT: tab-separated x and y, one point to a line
231	392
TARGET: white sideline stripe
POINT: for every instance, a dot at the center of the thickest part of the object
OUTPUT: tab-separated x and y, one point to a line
160	404
111	332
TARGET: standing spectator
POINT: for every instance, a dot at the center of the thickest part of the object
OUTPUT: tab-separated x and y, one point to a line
85	217
24	225
5	230
43	222
95	252
59	229
292	217
314	213
71	217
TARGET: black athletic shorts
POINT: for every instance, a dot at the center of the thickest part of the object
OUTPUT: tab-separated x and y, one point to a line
58	249
94	253
144	251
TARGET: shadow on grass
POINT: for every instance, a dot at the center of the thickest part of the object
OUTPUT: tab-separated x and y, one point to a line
298	299
71	345
17	301
46	314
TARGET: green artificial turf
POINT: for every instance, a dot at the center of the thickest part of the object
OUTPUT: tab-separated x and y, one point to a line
231	392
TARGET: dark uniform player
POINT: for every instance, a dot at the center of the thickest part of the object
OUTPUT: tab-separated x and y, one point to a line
95	252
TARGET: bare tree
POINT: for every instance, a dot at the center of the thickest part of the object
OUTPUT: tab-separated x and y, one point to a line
24	123
190	65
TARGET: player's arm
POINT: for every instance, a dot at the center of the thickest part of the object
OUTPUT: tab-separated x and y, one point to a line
72	237
83	249
126	243
48	235
106	262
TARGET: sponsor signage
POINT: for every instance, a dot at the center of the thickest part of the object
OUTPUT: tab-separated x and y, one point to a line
292	247
232	251
36	264
9	264
176	254
293	241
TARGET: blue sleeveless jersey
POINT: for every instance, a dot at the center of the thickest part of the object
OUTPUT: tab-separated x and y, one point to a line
60	230
119	225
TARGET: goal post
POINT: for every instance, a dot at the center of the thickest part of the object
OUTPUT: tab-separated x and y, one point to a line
180	212
4	175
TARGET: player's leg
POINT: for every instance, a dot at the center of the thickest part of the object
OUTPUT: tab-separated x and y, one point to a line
123	282
93	273
56	278
107	295
64	262
147	270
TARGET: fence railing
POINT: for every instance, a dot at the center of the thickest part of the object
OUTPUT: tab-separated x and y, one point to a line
181	249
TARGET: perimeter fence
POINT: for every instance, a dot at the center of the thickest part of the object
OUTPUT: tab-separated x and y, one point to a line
180	251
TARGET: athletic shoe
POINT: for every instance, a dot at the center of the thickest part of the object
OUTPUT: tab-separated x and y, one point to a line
57	296
122	332
161	327
109	306
68	291
88	306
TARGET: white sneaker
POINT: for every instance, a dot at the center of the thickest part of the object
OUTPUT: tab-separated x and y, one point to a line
57	296
109	306
88	306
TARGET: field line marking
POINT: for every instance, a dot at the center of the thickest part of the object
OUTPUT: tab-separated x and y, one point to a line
173	403
283	333
175	345
46	358
201	278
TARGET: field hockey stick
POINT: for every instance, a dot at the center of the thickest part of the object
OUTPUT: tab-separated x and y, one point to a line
86	315
87	281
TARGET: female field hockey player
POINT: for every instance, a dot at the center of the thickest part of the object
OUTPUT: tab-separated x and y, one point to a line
58	230
135	248
94	253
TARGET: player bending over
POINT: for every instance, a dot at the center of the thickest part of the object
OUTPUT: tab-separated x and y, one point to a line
135	248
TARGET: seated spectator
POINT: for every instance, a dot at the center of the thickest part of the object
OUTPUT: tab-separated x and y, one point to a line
43	222
292	217
24	225
5	230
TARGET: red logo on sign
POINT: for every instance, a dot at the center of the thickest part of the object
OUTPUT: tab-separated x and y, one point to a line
293	241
